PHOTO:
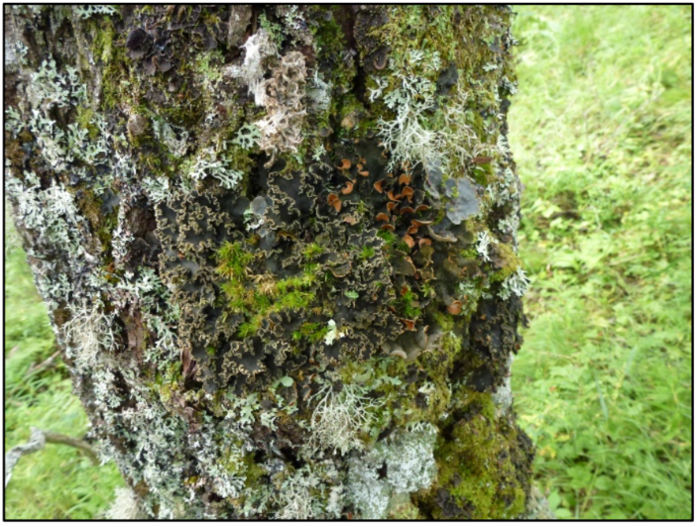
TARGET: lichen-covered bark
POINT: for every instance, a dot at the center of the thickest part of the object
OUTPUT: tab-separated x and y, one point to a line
278	248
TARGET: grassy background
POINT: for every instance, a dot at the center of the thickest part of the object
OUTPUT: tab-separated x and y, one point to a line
56	482
601	132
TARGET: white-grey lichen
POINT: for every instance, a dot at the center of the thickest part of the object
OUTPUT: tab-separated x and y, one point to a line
208	163
321	92
50	87
174	137
258	48
339	418
89	10
125	506
248	136
482	246
89	332
333	333
410	466
13	121
296	491
157	188
281	129
408	136
515	284
503	396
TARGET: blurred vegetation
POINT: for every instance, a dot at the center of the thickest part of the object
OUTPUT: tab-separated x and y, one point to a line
57	482
601	132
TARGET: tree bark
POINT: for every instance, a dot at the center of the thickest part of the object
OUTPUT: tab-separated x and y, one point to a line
278	248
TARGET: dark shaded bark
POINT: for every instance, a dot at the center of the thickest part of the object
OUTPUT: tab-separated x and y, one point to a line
278	248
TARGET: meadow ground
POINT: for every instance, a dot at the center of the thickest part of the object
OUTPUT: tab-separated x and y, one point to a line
601	131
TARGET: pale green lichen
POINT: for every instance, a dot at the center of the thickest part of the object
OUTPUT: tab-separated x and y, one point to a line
409	465
339	419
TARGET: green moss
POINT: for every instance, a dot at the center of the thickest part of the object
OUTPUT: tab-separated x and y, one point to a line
390	238
475	456
445	322
252	471
366	253
404	511
257	296
483	174
512	263
167	384
407	304
84	118
102	225
312	251
103	42
272	28
311	331
233	260
330	43
208	67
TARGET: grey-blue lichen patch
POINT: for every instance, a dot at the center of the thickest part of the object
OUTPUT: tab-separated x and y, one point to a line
88	11
408	463
463	200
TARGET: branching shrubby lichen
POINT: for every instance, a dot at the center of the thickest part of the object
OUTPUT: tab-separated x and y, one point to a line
89	332
339	419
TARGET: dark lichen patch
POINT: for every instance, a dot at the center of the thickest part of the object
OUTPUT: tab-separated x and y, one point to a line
493	337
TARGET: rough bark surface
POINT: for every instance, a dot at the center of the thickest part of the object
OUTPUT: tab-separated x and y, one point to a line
278	248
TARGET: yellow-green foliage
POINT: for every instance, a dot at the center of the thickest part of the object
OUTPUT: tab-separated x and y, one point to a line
257	296
233	261
601	132
474	464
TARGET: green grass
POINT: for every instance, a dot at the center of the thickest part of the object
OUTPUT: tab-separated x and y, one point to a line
57	482
601	129
601	132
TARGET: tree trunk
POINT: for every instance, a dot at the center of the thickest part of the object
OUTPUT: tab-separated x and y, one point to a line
278	248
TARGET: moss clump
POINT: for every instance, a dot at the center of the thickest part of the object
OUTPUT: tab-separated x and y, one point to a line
257	296
481	466
312	331
407	304
233	261
509	261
